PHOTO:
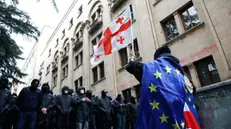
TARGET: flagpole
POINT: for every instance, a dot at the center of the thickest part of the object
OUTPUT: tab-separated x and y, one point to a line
132	51
114	67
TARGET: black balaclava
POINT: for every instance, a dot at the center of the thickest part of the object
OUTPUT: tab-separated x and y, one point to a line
81	91
34	84
65	90
119	98
45	88
89	93
133	100
104	93
71	91
3	82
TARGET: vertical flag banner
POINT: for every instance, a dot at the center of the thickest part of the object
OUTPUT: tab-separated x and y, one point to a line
116	36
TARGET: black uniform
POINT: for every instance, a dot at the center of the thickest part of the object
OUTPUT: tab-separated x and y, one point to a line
82	109
5	104
131	111
47	102
105	108
93	110
64	103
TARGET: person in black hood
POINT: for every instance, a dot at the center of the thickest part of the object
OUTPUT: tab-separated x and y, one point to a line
82	109
120	113
131	111
105	108
92	110
71	92
28	102
136	68
47	105
5	97
64	103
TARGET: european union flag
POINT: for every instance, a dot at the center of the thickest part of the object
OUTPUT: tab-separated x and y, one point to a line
163	96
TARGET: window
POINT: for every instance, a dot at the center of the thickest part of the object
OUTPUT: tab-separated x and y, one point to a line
48	69
170	28
65	71
95	74
127	94
187	72
66	48
207	71
78	83
93	17
98	72
57	43
49	54
101	69
80	11
55	80
95	41
63	34
189	16
79	59
56	59
132	13
136	48
123	56
71	23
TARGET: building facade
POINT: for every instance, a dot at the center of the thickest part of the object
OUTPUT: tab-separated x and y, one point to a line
196	34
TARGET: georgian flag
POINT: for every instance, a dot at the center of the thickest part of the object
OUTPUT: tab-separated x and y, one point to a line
118	35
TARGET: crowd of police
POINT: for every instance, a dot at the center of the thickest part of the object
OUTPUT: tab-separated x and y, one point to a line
40	109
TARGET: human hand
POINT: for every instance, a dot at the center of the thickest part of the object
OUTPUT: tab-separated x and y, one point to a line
44	110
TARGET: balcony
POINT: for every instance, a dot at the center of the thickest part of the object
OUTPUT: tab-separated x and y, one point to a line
116	4
78	43
54	66
64	57
96	24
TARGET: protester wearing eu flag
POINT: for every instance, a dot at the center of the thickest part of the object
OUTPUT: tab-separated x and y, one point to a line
163	98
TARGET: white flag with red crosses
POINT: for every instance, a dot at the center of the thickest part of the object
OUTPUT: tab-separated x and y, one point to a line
118	35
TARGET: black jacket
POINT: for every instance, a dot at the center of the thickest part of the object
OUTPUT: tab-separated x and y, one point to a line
135	68
131	111
47	101
82	109
105	108
29	100
64	103
118	109
5	98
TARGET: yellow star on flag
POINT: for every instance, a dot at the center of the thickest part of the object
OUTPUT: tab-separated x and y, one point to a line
176	126
164	118
152	88
177	71
158	75
155	105
194	106
189	99
182	125
168	70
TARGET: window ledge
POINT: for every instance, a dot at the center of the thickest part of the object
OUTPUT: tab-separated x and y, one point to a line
78	66
185	33
70	27
122	67
47	73
98	81
156	2
64	78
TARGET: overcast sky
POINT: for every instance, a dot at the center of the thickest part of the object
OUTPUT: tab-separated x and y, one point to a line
41	13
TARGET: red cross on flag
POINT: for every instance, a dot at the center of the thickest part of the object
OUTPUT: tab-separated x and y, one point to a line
118	35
